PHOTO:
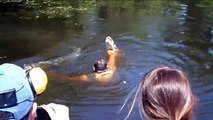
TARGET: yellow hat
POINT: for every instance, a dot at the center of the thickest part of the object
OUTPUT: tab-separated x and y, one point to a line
38	79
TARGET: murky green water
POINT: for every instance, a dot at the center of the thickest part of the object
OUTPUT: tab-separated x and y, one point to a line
149	34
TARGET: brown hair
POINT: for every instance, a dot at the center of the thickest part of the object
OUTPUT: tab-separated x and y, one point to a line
100	65
167	95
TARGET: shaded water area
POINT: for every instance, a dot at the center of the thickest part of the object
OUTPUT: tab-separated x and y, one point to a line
149	34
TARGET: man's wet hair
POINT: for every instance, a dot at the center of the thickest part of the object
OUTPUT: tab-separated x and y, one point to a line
100	65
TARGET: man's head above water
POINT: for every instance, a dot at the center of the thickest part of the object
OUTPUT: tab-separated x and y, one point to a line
100	65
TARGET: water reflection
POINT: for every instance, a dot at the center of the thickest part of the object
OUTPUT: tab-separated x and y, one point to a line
150	34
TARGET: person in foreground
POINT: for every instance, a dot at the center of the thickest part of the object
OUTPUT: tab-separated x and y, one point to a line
18	91
167	95
103	70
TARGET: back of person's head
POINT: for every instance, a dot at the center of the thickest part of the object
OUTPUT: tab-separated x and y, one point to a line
167	95
100	65
17	91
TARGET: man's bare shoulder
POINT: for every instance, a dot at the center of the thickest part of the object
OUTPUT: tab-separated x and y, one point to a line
104	76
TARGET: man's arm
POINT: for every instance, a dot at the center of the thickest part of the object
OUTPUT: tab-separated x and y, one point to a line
69	78
112	54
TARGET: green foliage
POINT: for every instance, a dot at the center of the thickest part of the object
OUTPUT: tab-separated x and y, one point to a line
207	4
66	8
10	1
118	3
49	8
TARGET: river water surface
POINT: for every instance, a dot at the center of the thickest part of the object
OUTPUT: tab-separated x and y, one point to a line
149	34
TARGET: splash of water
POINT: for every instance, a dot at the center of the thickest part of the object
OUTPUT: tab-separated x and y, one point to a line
76	52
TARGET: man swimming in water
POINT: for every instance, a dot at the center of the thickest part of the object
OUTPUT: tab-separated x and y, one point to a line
103	70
